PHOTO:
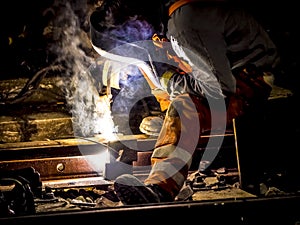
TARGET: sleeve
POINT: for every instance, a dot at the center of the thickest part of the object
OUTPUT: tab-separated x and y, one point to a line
177	83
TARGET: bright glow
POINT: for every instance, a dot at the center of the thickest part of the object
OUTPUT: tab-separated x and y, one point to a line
104	124
98	161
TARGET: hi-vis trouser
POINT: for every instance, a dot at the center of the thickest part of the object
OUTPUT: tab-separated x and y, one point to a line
186	118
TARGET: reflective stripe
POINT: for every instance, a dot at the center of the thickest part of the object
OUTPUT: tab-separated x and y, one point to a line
163	152
111	75
181	154
178	4
172	151
170	170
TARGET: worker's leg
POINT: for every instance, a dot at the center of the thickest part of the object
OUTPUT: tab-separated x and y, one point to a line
186	118
177	142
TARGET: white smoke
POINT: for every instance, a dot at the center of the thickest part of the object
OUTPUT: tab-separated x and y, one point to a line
90	114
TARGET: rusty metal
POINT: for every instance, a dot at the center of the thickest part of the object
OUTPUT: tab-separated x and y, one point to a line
69	158
67	167
54	168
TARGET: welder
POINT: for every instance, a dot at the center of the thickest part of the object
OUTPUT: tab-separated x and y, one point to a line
220	59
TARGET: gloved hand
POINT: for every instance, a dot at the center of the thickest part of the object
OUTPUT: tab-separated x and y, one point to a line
111	74
162	97
166	77
151	125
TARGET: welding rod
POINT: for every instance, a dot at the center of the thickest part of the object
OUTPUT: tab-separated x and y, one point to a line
237	152
108	87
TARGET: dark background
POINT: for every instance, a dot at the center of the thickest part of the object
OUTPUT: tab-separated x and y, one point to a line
23	23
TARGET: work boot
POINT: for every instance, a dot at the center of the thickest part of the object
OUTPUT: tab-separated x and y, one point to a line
130	190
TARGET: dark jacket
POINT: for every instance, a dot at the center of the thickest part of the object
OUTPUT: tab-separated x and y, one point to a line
216	39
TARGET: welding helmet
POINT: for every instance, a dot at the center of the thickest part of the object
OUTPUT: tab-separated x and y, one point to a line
113	24
102	35
121	38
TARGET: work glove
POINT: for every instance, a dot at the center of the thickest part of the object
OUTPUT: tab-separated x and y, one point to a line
151	125
162	98
160	91
161	94
166	77
112	73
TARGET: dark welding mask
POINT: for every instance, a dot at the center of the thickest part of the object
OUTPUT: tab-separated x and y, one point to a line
128	42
